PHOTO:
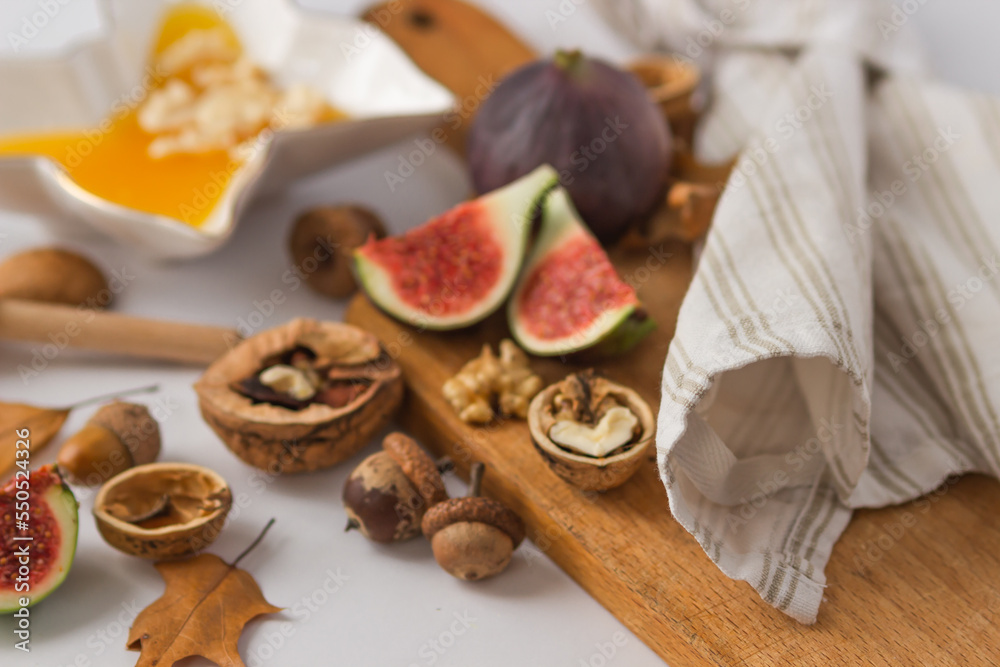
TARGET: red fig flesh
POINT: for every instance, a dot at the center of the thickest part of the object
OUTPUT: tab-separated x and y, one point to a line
38	517
569	296
459	267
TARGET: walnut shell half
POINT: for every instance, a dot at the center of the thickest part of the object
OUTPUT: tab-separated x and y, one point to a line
281	440
587	472
162	510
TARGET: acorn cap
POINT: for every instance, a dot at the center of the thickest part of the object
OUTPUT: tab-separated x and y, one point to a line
418	467
473	509
134	426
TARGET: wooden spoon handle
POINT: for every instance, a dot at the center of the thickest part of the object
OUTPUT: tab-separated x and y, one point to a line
465	49
453	41
59	326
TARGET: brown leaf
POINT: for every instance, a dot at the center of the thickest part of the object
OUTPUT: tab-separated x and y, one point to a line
202	612
42	424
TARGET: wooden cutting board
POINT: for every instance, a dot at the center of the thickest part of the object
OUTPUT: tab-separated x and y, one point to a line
912	585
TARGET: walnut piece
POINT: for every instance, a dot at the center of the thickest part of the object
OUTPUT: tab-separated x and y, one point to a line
507	382
215	99
197	47
589	415
584	397
290	380
615	428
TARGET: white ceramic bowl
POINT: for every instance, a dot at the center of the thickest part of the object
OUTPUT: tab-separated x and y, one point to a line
360	70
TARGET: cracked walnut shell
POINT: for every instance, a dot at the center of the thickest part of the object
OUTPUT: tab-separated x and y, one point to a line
279	439
586	398
162	510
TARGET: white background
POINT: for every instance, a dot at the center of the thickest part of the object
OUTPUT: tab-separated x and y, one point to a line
394	607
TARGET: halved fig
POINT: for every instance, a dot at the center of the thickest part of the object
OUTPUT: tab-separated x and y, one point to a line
457	268
569	297
356	389
38	514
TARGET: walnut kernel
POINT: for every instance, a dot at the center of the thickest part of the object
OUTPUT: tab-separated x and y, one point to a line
507	382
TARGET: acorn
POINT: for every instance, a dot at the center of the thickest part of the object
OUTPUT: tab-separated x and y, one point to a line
388	493
321	243
117	437
54	275
473	537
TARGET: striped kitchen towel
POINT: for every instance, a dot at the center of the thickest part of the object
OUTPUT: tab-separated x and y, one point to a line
838	346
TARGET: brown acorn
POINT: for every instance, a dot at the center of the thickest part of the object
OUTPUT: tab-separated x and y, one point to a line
322	241
54	275
119	436
388	493
473	537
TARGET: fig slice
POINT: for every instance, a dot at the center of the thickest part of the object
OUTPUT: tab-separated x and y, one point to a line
457	268
52	526
569	297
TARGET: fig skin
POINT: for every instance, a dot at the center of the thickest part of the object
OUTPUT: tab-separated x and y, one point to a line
593	122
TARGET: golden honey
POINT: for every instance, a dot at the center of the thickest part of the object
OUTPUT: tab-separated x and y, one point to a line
112	160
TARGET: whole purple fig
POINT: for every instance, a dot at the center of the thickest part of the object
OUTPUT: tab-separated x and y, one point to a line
593	122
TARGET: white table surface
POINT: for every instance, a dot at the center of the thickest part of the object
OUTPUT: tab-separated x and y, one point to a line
393	606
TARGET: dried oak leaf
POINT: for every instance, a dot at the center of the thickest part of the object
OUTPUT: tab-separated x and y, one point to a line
202	612
41	423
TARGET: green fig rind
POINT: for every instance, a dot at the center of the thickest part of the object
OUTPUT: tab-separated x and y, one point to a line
61	501
615	331
510	210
